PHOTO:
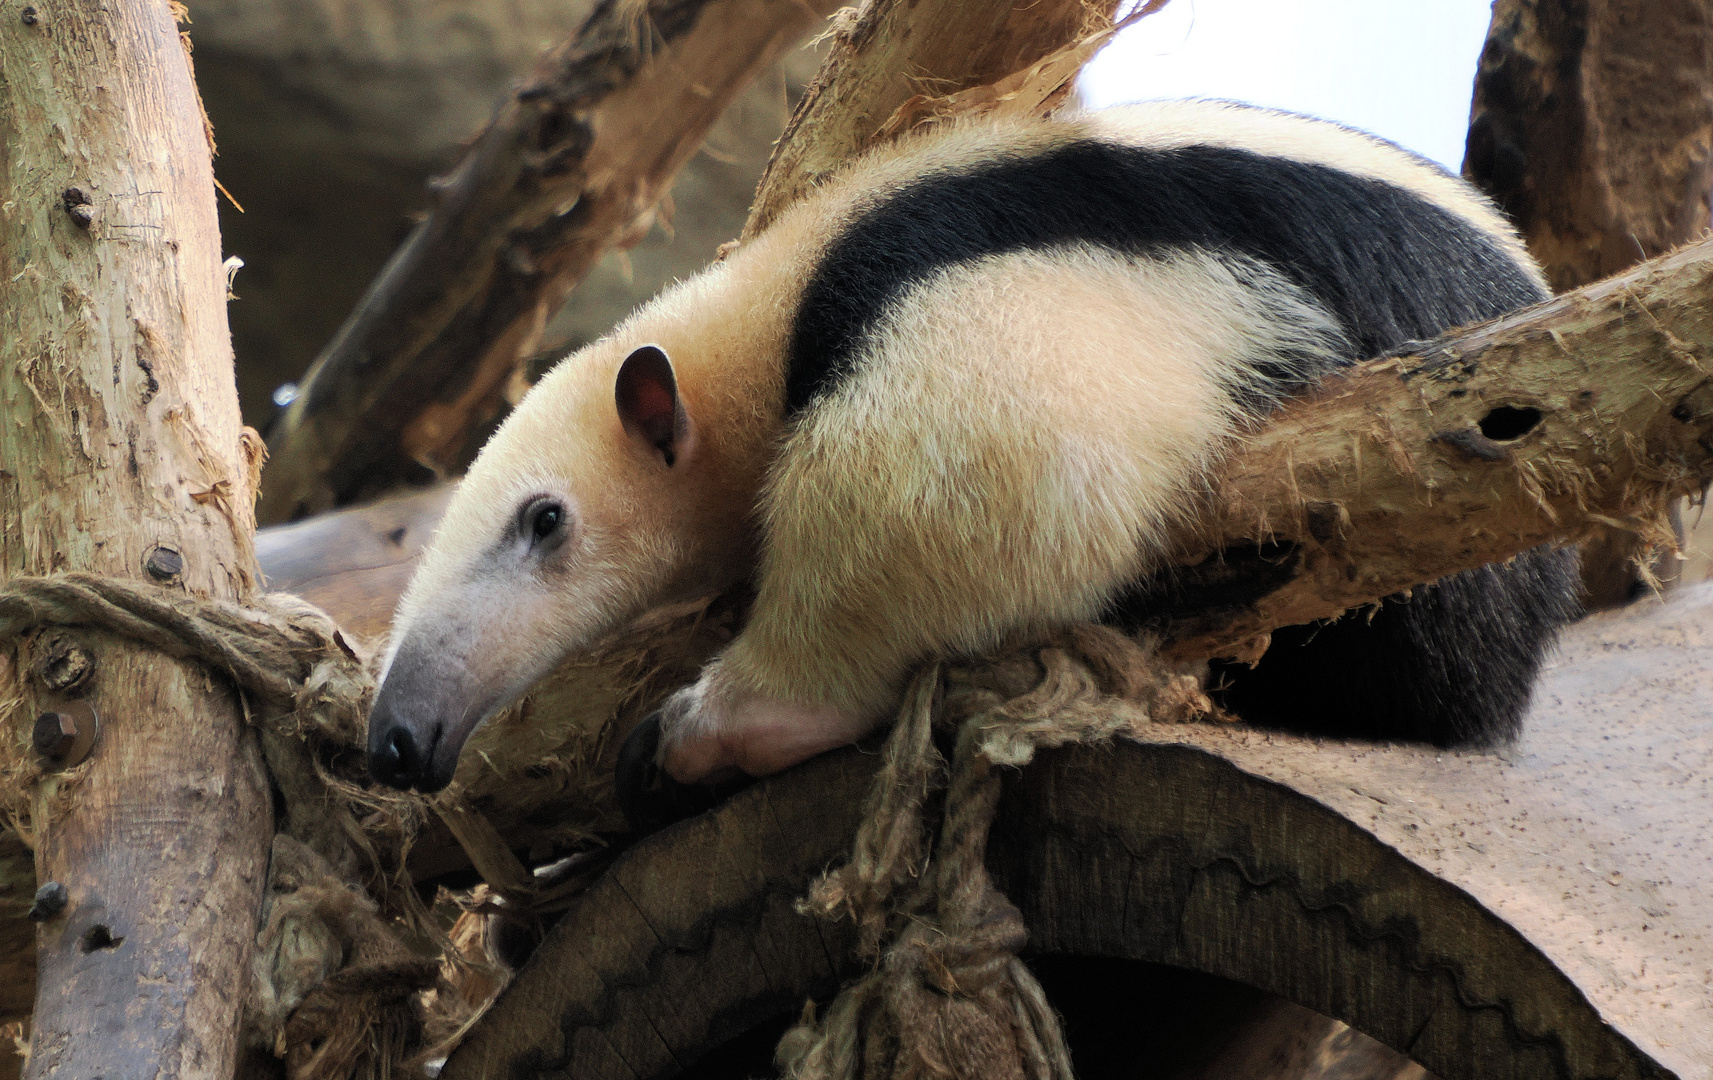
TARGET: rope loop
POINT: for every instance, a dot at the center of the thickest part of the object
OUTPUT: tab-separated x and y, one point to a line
282	650
947	997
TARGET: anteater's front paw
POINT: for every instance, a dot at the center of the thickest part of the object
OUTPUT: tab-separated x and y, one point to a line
648	795
718	726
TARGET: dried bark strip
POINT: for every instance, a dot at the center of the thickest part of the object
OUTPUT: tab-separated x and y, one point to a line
121	440
1593	409
572	166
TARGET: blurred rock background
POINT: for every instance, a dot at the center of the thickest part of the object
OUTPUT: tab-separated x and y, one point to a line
331	117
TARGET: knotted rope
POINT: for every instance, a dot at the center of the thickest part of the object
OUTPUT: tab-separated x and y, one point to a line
280	648
947	996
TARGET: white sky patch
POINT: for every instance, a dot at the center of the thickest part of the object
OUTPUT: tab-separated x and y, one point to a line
1402	69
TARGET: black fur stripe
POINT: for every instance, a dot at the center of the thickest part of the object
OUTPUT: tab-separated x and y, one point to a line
1389	265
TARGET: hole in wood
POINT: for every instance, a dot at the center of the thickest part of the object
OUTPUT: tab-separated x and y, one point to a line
100	937
1508	422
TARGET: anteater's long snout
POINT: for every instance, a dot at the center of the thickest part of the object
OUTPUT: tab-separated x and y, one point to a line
423	714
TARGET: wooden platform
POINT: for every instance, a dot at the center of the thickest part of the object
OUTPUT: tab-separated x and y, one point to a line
1542	913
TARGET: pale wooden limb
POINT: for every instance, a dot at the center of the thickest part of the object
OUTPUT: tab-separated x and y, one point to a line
121	446
1592	408
1592	126
572	166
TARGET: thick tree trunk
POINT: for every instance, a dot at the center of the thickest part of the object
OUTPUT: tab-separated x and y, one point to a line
121	447
572	166
1592	126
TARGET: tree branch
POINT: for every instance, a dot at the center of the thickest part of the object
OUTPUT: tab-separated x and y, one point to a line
1592	126
1589	410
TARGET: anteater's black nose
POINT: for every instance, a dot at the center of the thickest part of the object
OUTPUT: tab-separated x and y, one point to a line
394	759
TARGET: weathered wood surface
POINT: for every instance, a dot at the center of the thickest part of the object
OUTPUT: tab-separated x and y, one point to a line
355	564
17	944
572	166
1592	126
121	435
1546	912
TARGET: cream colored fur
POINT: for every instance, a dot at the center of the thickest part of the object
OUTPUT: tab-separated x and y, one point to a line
1021	433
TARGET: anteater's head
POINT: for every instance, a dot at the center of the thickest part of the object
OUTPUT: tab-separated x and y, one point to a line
623	481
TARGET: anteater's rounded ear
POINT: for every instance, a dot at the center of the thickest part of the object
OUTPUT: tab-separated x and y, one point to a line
648	401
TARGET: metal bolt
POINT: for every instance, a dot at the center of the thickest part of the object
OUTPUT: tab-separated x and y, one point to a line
51	899
164	564
29	16
54	735
65	737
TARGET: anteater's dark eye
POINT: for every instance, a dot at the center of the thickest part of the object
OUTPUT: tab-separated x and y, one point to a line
542	519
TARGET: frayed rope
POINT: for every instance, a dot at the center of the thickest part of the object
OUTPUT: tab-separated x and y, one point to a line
280	648
947	997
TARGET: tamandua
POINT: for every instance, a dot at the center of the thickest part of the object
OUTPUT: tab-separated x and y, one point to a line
958	394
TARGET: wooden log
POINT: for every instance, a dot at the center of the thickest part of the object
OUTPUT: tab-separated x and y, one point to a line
1592	408
332	115
573	165
354	565
1540	913
121	447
